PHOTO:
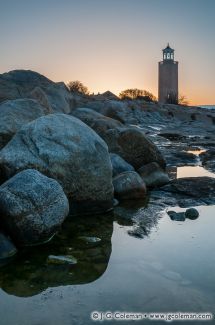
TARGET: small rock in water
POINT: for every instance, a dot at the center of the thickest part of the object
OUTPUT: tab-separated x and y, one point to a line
90	240
61	259
191	213
176	216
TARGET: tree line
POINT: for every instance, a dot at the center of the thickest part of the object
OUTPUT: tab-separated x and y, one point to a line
127	94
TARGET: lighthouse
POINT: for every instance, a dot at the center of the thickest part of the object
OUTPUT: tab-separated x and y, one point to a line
168	78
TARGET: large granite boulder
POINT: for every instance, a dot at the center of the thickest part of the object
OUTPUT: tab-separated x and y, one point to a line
24	83
119	165
32	207
129	186
15	113
128	142
64	148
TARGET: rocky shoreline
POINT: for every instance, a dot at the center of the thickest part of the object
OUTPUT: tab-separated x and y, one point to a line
68	154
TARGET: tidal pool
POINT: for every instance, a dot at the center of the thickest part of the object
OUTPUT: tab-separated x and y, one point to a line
193	171
170	269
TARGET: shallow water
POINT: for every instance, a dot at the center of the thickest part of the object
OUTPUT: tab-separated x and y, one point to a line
170	269
193	171
196	152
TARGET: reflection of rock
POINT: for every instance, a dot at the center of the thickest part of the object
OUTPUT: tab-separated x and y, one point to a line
32	207
61	259
29	273
142	218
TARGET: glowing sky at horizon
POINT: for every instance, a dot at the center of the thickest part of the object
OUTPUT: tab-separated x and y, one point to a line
112	44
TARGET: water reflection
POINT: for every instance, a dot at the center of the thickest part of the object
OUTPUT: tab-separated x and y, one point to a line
197	151
170	270
30	273
190	171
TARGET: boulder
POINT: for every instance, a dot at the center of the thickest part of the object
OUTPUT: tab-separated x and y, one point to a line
119	165
129	186
98	122
63	148
15	113
133	146
24	84
39	95
128	142
115	109
32	207
7	248
153	175
192	213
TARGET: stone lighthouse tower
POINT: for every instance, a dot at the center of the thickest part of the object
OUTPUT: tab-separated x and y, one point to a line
168	78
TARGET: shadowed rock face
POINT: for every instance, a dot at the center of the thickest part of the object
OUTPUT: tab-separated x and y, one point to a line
129	186
7	248
22	83
30	272
65	149
128	142
153	175
15	113
32	207
98	122
119	165
132	145
208	159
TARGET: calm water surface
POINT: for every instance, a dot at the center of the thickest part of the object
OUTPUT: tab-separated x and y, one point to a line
170	269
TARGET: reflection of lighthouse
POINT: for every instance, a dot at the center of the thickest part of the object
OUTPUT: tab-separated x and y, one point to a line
168	78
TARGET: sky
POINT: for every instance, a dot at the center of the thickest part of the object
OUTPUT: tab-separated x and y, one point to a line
112	44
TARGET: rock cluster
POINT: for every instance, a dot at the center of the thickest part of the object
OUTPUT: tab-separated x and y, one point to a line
63	153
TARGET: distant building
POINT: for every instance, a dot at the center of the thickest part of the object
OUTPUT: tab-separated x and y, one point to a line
168	78
106	95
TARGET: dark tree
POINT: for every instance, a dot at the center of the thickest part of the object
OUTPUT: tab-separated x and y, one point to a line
135	93
78	87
